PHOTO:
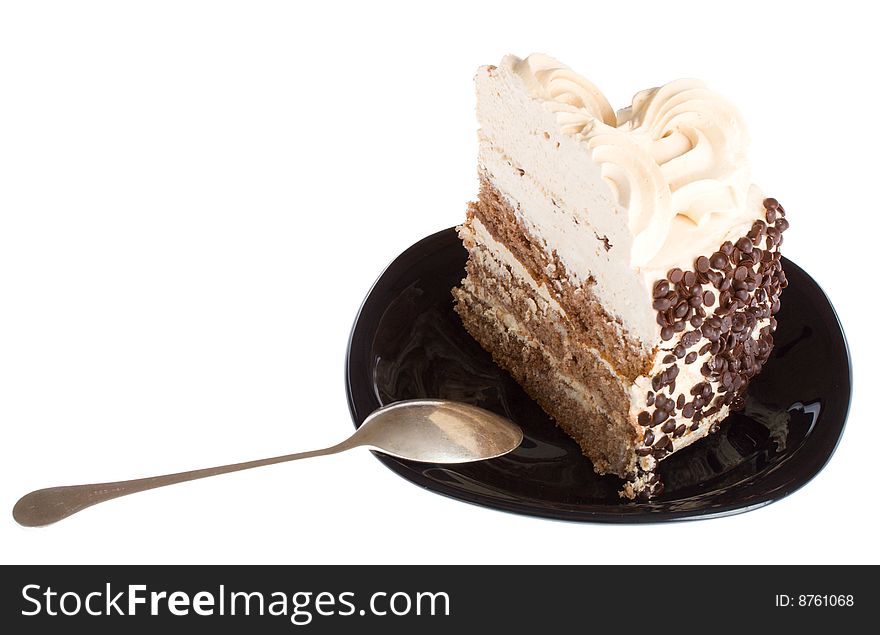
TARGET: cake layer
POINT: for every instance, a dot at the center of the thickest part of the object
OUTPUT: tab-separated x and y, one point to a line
599	329
570	405
517	296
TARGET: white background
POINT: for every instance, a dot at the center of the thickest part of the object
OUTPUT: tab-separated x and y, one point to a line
195	198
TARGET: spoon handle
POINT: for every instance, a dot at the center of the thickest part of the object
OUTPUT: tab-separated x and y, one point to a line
46	506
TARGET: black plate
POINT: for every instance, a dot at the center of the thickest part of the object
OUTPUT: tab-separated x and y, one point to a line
408	343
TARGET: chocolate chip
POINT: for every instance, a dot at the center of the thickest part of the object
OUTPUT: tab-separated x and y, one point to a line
691	338
727	247
643	451
770	203
675	275
691	357
661	304
781	224
696	321
679	351
680	430
744	245
727	379
702	264
681	310
649	438
666	333
669	359
644	418
679	403
718	260
659	417
770	216
668	426
708	298
662	442
661	288
690	278
694	427
705	348
740	274
710	332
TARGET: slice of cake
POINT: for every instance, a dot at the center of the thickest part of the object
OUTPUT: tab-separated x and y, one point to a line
621	267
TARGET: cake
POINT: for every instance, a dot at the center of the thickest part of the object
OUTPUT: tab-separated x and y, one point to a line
621	265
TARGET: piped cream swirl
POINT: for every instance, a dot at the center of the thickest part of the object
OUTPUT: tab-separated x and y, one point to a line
699	141
678	151
564	90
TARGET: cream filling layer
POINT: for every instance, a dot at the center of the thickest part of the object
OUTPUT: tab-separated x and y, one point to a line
511	324
503	257
565	234
496	257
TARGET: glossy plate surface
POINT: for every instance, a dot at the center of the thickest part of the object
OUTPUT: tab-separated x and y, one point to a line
408	343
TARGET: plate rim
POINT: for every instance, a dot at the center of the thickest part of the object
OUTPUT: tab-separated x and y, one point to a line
637	513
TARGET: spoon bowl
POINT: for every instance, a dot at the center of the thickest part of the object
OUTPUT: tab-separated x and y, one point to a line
436	431
426	430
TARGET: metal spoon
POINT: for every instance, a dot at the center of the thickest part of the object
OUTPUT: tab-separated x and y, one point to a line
431	431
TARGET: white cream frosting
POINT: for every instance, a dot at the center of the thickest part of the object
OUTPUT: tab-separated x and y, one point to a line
677	153
547	147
